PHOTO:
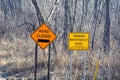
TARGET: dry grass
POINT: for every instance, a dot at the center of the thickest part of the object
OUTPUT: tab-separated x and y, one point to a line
18	54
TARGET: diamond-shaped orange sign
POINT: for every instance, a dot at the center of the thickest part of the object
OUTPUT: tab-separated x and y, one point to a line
43	36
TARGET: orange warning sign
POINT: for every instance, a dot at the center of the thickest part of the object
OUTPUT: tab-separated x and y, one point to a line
43	36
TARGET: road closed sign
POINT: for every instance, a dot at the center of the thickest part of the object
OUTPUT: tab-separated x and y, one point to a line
78	41
43	36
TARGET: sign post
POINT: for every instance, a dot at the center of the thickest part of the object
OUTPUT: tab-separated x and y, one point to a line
35	71
70	65
85	58
78	41
43	36
49	62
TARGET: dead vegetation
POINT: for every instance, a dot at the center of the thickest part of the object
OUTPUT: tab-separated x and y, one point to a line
17	59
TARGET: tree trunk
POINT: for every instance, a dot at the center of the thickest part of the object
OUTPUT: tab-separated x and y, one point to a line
106	37
38	13
95	22
66	7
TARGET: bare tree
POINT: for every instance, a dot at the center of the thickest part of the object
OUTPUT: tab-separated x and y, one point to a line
118	11
11	8
95	21
69	20
84	13
74	15
106	37
38	13
66	10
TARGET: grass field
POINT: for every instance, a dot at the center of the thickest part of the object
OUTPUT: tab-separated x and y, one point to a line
17	61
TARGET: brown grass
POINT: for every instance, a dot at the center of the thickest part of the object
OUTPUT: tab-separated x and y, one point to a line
18	54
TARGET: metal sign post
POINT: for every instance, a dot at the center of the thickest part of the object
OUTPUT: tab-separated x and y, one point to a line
70	65
85	58
35	72
49	62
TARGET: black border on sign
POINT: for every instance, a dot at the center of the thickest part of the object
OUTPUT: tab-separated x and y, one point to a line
49	29
79	33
